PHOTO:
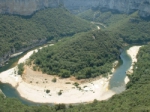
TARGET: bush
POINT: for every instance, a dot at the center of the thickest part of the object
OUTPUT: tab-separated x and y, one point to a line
76	84
60	92
34	68
68	82
60	106
54	79
47	91
20	68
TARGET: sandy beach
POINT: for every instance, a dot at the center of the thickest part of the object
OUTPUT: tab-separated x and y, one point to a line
132	52
38	87
126	80
33	87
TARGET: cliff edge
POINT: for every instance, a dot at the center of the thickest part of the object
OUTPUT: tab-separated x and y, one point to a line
28	7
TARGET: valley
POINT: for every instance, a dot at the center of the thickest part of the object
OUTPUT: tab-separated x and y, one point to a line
33	84
74	56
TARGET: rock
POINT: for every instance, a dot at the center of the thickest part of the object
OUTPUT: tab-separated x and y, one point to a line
6	56
28	7
144	10
25	7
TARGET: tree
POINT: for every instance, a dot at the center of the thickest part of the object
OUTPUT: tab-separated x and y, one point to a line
20	68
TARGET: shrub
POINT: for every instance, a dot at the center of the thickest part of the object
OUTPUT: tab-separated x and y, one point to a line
76	84
60	92
47	91
20	68
54	79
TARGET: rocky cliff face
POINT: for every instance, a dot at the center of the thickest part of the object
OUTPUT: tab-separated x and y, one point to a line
80	5
28	7
121	6
144	9
6	56
25	7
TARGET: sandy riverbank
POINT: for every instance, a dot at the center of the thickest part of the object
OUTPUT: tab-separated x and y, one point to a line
33	86
132	52
126	80
86	92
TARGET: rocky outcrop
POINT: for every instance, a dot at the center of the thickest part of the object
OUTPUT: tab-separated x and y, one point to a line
28	7
80	5
25	7
144	10
124	6
6	56
121	6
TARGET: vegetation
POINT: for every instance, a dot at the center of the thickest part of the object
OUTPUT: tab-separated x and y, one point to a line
47	91
135	30
83	56
54	79
76	84
20	68
135	99
94	50
60	92
131	28
107	18
19	32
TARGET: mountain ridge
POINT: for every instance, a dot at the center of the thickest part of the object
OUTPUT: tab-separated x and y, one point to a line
28	7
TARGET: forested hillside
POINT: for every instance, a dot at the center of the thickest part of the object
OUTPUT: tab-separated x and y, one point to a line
21	32
131	28
83	56
135	99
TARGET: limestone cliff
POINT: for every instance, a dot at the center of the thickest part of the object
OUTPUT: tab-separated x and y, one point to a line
28	7
144	9
25	7
7	55
121	6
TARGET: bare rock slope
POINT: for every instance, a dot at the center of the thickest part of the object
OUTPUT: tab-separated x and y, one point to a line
28	7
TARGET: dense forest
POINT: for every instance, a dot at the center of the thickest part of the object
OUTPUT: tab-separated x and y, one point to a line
84	55
94	53
131	28
20	32
135	99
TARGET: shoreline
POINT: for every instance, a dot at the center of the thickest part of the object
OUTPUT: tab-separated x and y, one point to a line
132	52
35	91
97	89
34	87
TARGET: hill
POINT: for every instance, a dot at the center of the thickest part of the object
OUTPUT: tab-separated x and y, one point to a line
135	99
18	33
131	28
83	56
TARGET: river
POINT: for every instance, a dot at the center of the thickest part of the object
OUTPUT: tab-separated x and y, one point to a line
116	82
